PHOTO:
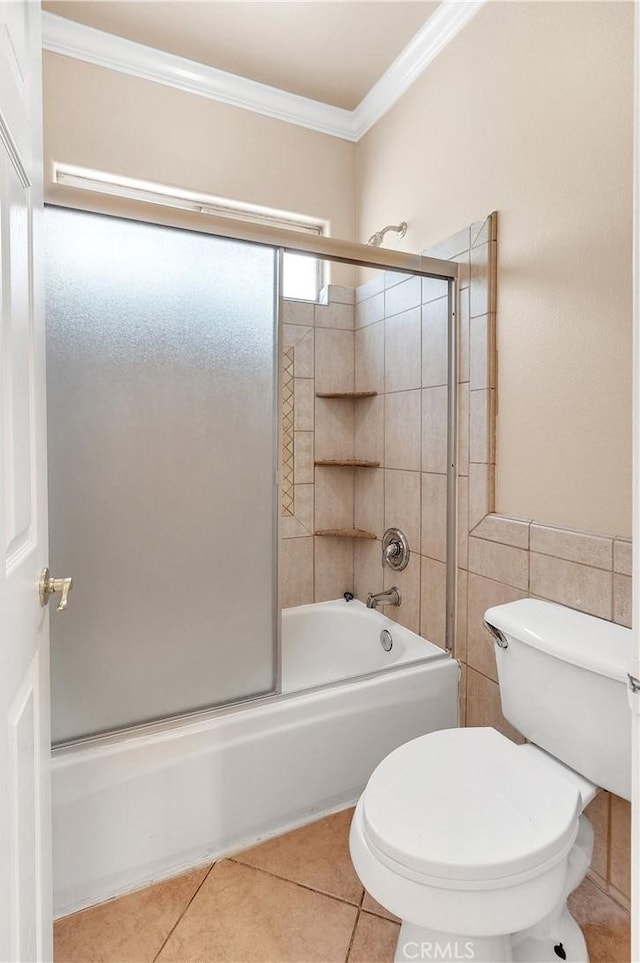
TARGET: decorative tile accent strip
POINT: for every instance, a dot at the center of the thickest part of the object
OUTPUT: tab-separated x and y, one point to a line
287	432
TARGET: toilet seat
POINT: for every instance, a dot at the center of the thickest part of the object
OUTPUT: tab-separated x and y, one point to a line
467	808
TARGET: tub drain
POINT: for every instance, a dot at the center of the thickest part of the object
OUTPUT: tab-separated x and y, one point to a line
386	640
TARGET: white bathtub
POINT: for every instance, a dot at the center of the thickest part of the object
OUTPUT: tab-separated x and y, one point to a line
134	807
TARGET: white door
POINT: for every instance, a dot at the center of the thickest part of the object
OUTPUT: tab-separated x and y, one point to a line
25	835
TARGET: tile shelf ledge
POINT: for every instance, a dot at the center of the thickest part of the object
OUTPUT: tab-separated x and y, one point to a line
345	533
349	395
345	463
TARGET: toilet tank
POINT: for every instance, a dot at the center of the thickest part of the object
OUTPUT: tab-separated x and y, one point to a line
563	685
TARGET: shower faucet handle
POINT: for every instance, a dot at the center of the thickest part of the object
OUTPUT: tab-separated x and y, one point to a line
49	586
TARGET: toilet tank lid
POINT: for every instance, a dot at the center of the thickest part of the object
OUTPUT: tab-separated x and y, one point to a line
575	637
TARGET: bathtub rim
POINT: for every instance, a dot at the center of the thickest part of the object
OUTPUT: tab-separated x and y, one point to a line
200	719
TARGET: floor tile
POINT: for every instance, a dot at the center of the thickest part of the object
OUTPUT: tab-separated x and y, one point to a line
372	905
243	914
604	923
315	855
375	940
130	929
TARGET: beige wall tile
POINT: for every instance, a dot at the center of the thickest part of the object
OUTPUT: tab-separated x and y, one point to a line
303	506
333	560
334	428
483	594
337	294
622	608
369	428
370	288
594	550
463	429
402	430
369	500
503	563
462	605
463	336
292	334
402	365
303	354
480	493
480	422
578	586
296	571
597	812
620	865
370	358
480	367
622	556
483	231
303	399
367	564
335	316
434	516
463	522
481	300
483	705
334	370
297	312
452	248
370	310
508	531
303	457
291	527
433	601
434	430
402	504
334	498
433	289
435	352
402	297
408	583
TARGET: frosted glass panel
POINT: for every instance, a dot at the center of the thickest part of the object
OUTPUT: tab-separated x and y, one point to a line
160	370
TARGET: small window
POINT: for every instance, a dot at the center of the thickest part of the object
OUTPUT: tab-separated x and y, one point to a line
303	275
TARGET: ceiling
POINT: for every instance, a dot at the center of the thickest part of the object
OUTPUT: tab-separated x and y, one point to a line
329	50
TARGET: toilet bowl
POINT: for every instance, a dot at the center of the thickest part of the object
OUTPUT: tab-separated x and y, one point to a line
468	838
475	842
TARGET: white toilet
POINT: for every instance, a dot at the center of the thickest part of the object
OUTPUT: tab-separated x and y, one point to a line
476	842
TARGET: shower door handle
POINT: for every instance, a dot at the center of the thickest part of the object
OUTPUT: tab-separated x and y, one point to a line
49	586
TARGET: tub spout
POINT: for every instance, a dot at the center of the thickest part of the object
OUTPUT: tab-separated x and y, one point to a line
391	597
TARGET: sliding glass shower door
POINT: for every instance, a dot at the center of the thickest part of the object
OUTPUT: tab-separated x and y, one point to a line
162	465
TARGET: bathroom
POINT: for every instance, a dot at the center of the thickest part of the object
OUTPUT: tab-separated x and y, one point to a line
447	411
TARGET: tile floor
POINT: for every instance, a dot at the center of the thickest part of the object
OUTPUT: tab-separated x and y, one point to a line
293	899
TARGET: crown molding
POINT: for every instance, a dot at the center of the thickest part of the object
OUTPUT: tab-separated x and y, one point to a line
71	39
441	27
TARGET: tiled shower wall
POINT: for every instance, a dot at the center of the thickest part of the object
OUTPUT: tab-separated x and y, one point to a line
317	356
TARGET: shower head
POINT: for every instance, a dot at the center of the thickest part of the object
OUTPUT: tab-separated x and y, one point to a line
376	239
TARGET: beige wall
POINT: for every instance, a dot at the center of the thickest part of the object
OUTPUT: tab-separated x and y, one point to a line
106	120
529	111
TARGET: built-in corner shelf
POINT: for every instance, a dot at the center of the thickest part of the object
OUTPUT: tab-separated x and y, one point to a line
346	533
348	395
346	463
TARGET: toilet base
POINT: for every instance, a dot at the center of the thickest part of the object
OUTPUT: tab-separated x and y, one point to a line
557	938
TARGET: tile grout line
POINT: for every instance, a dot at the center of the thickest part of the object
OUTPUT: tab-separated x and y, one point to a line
285	879
181	916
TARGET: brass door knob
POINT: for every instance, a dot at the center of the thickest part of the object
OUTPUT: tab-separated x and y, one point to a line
49	586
